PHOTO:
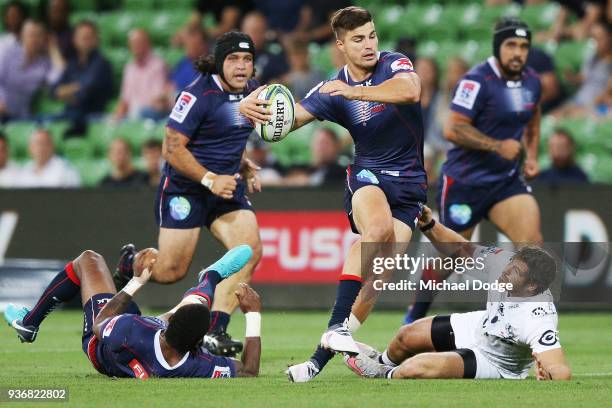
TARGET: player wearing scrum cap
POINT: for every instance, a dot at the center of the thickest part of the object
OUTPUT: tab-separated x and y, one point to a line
494	123
206	177
517	327
376	97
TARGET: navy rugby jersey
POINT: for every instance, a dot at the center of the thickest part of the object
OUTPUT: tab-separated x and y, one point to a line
211	119
388	137
130	348
499	108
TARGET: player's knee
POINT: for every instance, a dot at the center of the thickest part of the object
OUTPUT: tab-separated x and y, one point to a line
405	334
378	232
257	252
88	257
167	273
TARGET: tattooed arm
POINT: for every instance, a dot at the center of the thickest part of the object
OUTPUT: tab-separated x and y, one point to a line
459	130
175	152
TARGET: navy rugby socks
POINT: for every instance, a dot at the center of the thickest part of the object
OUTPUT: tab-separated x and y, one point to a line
63	288
348	289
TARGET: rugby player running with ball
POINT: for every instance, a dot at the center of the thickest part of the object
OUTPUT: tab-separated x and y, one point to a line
376	97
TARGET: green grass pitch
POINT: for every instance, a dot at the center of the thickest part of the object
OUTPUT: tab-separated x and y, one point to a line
56	360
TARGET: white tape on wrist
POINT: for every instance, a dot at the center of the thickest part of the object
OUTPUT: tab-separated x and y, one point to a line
132	287
207	180
253	324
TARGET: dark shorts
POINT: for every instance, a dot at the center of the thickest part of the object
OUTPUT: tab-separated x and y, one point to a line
89	341
405	199
186	205
443	339
462	206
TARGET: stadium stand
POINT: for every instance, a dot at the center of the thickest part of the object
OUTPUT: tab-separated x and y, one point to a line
444	29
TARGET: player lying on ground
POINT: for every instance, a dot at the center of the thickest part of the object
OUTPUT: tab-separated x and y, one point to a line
376	97
120	342
502	341
494	121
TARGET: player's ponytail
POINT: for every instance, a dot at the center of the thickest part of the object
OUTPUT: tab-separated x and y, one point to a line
205	64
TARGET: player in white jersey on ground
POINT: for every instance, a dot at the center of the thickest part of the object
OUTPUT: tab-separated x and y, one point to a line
518	326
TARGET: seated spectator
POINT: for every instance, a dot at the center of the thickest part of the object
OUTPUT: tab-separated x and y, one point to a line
86	84
123	173
561	148
194	45
143	86
301	78
14	14
567	27
603	103
270	173
46	170
428	71
315	20
283	16
594	76
60	30
23	71
325	148
152	154
9	171
227	14
270	59
544	65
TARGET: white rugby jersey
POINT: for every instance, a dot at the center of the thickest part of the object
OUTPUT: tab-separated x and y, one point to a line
511	328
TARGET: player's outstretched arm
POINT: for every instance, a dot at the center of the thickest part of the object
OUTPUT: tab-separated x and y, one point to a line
403	88
551	365
531	140
302	117
459	130
119	303
175	152
250	305
444	239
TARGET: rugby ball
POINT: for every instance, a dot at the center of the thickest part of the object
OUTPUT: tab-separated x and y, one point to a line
283	113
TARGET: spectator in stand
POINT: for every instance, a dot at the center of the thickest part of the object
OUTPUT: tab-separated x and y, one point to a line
9	171
60	30
325	150
143	87
588	13
282	16
301	78
270	173
270	60
455	69
23	71
151	153
428	71
227	14
46	170
194	44
594	76
14	14
561	148
544	65
123	173
86	84
603	103
315	20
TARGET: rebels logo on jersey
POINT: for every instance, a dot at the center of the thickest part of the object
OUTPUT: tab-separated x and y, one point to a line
402	64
